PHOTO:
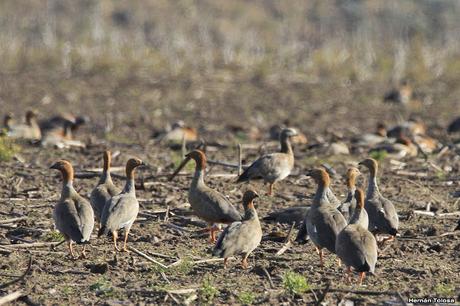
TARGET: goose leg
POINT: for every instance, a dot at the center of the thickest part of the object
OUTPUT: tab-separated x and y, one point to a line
388	239
244	262
361	277
125	248
83	252
320	253
71	251
349	274
212	233
115	237
270	189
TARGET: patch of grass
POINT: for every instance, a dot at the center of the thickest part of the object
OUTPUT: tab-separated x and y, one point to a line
207	291
8	148
67	290
445	290
102	288
119	139
440	175
241	136
54	236
378	155
185	267
295	283
246	298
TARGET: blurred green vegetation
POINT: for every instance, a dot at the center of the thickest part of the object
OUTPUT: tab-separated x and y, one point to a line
8	148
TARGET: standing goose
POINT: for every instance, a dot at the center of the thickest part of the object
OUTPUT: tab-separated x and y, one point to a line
104	190
73	215
121	211
272	167
302	235
241	237
29	130
207	203
383	217
323	220
348	207
355	245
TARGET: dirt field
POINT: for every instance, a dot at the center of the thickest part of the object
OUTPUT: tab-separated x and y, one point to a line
230	69
420	263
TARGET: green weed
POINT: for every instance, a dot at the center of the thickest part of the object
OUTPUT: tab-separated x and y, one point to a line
295	283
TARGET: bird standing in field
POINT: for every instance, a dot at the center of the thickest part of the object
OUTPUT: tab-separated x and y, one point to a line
348	207
207	203
323	220
241	237
272	167
73	215
104	190
355	245
121	211
383	218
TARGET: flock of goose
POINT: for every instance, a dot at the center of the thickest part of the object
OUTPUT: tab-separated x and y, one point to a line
347	229
350	237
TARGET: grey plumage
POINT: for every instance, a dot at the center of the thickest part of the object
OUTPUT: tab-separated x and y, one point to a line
355	245
207	203
241	237
302	234
383	217
121	210
73	215
104	190
348	207
323	220
272	167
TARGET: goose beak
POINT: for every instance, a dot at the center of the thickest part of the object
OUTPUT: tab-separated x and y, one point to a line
182	165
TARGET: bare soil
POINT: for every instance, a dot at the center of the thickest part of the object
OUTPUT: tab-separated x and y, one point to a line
420	263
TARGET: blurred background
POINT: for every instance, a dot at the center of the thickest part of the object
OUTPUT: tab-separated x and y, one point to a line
257	62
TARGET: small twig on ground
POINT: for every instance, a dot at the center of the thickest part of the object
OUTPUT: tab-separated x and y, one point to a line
270	281
166	218
163	276
209	260
147	257
323	294
425	213
176	263
10	297
240	164
32	245
14	281
412	174
182	291
401	299
430	192
12	220
287	242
